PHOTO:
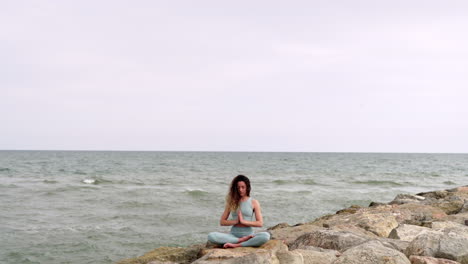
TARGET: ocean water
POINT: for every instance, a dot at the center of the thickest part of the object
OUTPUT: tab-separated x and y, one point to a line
100	207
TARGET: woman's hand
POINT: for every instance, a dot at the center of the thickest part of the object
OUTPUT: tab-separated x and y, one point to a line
240	217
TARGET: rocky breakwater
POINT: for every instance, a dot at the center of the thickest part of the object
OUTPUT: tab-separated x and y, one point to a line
426	228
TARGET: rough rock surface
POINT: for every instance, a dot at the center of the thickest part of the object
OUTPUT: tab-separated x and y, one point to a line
372	252
329	239
430	260
438	244
290	233
407	232
426	228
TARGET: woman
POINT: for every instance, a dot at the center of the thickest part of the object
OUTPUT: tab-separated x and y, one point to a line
242	207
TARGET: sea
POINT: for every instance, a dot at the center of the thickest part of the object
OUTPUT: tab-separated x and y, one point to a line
104	206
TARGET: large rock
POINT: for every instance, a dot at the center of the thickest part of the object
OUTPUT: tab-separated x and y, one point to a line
407	232
450	201
425	244
461	218
290	233
379	224
464	208
448	226
449	245
417	214
264	254
223	256
407	198
396	244
290	257
452	205
430	260
167	255
316	257
329	239
377	221
372	252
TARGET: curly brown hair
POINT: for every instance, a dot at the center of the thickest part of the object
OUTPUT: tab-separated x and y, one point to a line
233	197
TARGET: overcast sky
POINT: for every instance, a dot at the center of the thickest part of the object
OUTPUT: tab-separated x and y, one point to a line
318	76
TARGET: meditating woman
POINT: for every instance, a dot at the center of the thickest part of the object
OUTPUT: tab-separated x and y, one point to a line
242	208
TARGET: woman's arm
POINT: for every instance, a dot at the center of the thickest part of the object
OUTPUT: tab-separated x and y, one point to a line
258	216
224	217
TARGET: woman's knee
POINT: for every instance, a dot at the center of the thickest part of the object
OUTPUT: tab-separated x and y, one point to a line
263	236
212	237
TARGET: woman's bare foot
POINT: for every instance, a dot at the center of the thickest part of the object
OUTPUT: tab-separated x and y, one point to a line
243	239
231	245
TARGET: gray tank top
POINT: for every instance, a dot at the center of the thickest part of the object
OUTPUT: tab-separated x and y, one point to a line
247	210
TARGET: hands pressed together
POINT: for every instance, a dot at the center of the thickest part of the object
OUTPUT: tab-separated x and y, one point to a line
240	217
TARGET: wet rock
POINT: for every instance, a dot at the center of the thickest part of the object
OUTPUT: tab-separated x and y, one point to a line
372	252
350	210
167	255
375	204
407	198
440	194
278	226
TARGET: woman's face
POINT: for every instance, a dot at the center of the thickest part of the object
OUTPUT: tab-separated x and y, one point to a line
242	188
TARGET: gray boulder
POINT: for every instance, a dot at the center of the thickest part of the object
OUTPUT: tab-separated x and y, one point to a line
407	232
430	260
438	244
372	252
329	239
407	198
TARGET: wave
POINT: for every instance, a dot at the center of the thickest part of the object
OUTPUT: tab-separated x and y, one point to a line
196	193
305	182
5	169
135	204
49	181
78	172
450	183
100	180
376	182
309	182
281	182
90	181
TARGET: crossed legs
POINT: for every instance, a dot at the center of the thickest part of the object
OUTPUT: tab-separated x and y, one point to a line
231	241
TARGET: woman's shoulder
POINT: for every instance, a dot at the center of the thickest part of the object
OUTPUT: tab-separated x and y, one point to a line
255	202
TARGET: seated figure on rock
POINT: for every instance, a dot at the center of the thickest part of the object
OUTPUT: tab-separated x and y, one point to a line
242	209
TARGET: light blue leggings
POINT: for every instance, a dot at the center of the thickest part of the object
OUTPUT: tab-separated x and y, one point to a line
238	232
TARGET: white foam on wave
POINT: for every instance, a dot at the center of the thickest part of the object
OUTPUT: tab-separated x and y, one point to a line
89	181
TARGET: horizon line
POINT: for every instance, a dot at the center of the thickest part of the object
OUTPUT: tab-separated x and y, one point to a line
235	151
